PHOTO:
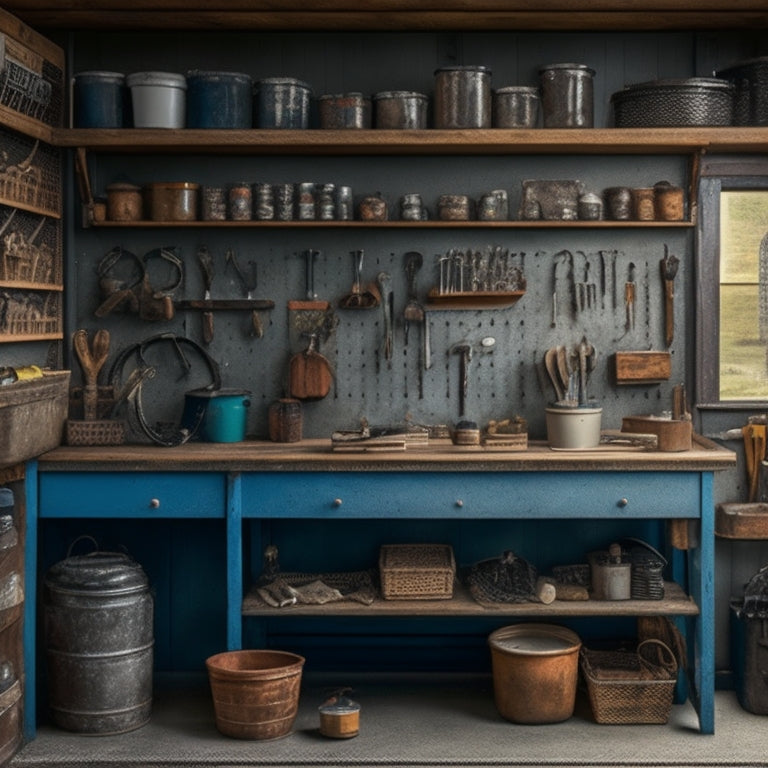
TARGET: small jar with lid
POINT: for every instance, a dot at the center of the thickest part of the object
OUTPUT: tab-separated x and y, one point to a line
463	97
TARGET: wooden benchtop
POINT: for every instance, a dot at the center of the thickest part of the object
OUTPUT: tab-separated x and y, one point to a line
316	456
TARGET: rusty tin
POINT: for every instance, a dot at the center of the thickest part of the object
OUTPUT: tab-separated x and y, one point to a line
400	110
344	110
618	203
282	102
567	95
454	208
670	201
124	202
516	106
644	204
240	201
463	97
172	201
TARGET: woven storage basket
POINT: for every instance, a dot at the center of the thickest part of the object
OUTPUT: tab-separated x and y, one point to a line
696	101
96	432
750	80
417	571
630	688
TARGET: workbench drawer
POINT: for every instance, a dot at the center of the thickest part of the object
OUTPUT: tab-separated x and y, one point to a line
476	495
132	494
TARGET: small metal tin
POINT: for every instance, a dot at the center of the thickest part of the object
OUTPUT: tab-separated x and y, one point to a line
400	110
339	717
306	203
219	100
454	208
567	95
282	102
172	201
373	208
214	203
326	202
344	110
344	203
463	97
670	201
491	207
264	207
644	204
590	207
618	203
411	207
284	201
240	199
124	202
516	106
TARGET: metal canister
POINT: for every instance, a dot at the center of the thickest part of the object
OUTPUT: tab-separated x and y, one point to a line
344	203
516	106
214	203
306	203
454	208
284	198
618	203
285	420
644	204
670	201
240	198
282	102
567	95
400	110
98	614
463	97
264	207
344	110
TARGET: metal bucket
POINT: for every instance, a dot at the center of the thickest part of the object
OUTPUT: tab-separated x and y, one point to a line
99	643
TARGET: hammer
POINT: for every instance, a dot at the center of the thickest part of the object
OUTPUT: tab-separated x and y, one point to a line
466	355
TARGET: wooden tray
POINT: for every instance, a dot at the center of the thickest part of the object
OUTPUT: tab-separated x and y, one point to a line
737	520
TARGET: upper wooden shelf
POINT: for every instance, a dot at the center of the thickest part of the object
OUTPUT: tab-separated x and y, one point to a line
393	15
419	142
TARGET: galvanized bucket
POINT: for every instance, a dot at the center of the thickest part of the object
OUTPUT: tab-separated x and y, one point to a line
98	615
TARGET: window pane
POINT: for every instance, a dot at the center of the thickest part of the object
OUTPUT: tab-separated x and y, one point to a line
743	295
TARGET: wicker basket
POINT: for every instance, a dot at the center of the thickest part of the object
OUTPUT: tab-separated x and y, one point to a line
417	571
696	101
96	432
630	688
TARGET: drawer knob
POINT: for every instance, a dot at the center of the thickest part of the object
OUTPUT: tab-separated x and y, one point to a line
337	502
459	503
623	502
154	503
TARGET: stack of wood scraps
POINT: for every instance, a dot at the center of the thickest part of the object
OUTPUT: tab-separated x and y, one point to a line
367	438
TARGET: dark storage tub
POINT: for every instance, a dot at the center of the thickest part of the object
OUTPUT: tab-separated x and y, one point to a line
696	101
219	100
100	100
750	81
99	643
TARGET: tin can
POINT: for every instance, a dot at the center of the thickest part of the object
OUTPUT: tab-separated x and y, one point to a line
618	203
326	202
670	201
590	207
285	420
411	207
373	208
214	203
240	198
306	202
400	110
516	106
344	110
284	200
124	202
567	95
172	201
344	204
282	102
463	97
265	202
454	208
644	204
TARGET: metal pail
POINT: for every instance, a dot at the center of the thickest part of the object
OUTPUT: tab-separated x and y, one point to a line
98	615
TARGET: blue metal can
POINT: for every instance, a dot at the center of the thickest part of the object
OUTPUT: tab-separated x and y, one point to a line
219	100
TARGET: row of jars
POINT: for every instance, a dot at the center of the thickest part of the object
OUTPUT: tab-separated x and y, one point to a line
463	98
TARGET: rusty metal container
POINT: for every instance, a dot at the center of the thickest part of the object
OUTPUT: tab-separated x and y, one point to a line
535	671
124	202
281	102
400	110
344	110
567	95
255	692
172	201
463	97
99	641
516	106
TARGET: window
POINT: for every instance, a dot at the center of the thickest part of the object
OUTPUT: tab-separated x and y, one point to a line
732	307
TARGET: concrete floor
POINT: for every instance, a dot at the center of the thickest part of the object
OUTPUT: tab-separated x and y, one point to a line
409	723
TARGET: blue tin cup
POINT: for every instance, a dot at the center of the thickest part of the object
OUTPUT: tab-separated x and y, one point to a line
99	100
219	100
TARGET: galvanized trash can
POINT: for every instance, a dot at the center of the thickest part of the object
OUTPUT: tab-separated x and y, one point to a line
99	640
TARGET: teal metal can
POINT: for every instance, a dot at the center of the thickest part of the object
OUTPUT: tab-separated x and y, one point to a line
217	415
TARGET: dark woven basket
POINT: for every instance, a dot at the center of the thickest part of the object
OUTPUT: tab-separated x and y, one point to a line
697	101
750	81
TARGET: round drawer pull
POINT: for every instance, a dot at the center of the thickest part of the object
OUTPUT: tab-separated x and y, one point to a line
154	503
459	503
623	502
337	502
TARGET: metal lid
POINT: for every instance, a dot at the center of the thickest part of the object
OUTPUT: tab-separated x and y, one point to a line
116	77
283	81
191	185
241	77
399	95
167	79
479	68
526	89
582	68
113	572
678	84
210	394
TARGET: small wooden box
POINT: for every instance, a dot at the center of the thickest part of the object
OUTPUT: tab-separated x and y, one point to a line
645	367
673	435
417	571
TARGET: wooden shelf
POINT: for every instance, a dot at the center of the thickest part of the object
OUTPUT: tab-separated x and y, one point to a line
295	223
492	141
676	603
